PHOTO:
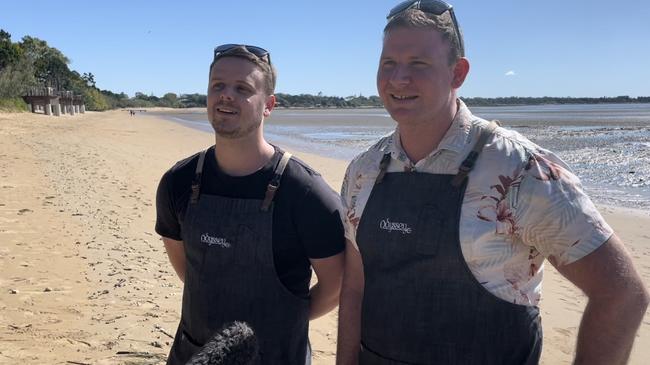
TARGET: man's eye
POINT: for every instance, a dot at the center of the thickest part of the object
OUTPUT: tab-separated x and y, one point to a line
217	86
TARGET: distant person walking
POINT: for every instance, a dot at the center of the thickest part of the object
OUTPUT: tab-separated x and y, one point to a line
243	223
450	219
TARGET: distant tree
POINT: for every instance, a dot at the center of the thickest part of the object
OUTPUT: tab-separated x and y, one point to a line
50	65
89	78
16	79
170	100
10	53
94	100
281	101
375	100
5	36
35	48
193	100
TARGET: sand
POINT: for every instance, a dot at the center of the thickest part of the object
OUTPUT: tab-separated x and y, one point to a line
84	278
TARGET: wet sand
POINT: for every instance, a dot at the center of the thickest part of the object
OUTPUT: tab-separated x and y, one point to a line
607	146
84	279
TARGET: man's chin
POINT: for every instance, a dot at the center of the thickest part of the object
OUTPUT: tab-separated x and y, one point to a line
401	115
232	133
227	133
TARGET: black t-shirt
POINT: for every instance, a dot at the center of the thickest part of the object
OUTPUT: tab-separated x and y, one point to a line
306	213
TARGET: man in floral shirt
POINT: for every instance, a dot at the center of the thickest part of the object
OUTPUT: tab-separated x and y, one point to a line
450	219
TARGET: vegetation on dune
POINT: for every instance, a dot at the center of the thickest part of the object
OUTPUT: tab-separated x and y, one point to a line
33	63
12	105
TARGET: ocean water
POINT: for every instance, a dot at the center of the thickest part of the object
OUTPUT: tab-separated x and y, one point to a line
606	145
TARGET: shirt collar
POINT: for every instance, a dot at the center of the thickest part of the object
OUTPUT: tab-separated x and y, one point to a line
456	140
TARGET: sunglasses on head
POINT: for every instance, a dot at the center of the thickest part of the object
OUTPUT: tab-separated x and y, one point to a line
259	52
435	7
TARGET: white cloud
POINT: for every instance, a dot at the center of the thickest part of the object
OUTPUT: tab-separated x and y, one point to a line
511	73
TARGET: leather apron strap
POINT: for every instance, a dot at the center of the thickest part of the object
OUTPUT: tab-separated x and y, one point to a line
196	183
468	164
274	184
465	167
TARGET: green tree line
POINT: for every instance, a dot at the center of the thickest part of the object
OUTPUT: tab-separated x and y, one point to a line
320	101
517	100
31	62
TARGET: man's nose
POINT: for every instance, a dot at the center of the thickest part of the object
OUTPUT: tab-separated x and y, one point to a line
225	94
400	76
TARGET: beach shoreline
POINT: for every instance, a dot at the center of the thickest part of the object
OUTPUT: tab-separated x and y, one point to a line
84	277
610	156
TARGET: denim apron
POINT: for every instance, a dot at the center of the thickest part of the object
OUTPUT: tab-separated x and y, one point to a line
422	304
230	276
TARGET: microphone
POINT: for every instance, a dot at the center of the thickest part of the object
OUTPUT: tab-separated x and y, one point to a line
233	344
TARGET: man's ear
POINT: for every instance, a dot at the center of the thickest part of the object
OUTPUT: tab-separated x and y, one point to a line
269	105
461	69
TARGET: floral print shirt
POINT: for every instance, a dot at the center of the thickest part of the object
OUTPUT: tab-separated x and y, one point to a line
522	205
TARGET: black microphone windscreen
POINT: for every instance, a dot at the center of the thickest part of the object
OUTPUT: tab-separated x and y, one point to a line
233	344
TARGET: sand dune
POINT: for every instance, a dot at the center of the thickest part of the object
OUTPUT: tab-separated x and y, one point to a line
84	278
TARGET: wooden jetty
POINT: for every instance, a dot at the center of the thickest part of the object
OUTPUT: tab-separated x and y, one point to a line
54	102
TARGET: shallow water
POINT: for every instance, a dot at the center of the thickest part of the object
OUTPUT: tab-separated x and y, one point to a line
607	145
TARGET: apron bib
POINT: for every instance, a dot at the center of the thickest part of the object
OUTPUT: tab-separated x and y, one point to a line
422	304
230	276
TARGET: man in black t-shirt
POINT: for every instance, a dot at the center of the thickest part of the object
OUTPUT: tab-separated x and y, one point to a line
243	223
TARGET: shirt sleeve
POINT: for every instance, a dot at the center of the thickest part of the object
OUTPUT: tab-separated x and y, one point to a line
318	221
347	213
167	223
554	214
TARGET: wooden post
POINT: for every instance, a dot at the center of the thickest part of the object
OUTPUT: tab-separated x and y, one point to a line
48	109
57	109
83	108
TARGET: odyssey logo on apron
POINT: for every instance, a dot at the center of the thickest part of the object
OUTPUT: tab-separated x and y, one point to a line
215	241
389	226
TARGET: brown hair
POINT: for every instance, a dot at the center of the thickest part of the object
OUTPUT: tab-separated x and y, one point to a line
269	72
414	18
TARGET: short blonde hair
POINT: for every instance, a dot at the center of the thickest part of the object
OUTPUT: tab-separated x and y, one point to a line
415	18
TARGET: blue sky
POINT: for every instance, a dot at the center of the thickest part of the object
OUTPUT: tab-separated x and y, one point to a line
516	48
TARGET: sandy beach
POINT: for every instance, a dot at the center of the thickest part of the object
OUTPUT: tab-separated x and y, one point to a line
84	278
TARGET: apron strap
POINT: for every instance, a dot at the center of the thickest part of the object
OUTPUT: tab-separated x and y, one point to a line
470	160
275	181
383	167
196	183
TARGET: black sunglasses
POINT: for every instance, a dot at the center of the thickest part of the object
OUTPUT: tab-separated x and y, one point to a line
435	7
259	52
